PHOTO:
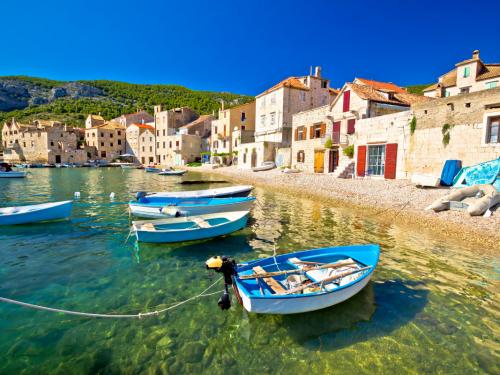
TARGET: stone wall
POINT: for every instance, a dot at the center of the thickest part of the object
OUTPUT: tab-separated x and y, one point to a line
468	116
254	154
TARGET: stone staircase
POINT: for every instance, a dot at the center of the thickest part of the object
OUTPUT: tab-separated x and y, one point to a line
345	169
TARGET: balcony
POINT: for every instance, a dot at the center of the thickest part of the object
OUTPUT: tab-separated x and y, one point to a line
340	139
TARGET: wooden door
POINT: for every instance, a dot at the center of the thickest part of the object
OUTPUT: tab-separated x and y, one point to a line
333	160
319	161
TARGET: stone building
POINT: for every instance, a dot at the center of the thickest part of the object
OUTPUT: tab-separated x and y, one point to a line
42	142
94	120
233	126
167	123
140	142
335	125
107	140
468	76
274	109
463	127
140	117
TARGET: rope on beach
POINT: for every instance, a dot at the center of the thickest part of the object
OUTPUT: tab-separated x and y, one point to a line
114	316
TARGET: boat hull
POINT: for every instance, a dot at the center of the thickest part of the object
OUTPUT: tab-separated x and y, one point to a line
191	235
159	211
13	174
42	212
171	173
238	191
301	304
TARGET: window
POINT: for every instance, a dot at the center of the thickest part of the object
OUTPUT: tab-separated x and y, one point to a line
302	96
243	116
224	143
492	135
215	129
157	133
242	127
351	126
447	93
466	71
163	132
323	100
465	90
111	144
301	133
317	131
102	134
157	144
164	143
376	160
111	135
467	105
150	148
103	154
300	156
119	132
119	141
51	143
102	144
346	104
93	135
324	84
143	149
176	143
272	119
263	120
170	144
491	85
24	144
273	98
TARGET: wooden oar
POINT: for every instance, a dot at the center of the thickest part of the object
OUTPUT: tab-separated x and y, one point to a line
327	280
338	264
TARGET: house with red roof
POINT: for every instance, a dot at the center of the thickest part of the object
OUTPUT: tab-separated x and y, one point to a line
468	76
322	137
141	142
274	109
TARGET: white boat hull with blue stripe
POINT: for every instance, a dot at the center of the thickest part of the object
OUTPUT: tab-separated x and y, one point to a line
175	207
35	213
179	229
225	192
347	271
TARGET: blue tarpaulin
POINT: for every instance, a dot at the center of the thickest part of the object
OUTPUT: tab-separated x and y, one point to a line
450	170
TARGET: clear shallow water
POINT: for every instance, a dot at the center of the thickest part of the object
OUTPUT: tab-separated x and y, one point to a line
432	306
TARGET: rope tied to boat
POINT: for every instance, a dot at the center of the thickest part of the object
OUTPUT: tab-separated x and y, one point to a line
115	316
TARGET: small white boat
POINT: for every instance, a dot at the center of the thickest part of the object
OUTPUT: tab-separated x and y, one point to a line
291	170
175	207
189	228
171	172
425	180
13	174
35	213
231	191
128	165
298	282
267	165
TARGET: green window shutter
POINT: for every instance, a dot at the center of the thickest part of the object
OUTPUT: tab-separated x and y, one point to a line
466	72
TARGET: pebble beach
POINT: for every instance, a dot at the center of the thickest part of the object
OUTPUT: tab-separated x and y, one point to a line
390	200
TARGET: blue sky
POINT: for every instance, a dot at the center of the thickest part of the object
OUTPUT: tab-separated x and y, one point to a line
244	46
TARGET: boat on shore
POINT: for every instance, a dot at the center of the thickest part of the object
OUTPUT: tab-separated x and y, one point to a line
267	165
35	213
298	282
179	229
225	192
152	169
175	207
425	180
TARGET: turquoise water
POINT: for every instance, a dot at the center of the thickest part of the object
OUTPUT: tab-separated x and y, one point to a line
432	306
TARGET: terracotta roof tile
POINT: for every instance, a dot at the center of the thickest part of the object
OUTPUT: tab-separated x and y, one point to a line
399	98
449	79
144	126
290	82
382	86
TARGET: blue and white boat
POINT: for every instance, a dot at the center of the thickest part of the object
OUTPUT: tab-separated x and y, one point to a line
35	213
152	169
171	172
179	229
302	281
175	207
225	192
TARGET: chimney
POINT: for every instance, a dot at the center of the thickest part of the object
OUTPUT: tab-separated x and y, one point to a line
475	54
317	72
222	104
310	70
439	91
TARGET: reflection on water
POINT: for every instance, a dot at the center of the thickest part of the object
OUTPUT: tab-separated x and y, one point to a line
431	307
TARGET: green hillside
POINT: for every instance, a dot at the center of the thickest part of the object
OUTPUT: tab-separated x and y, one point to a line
417	89
27	98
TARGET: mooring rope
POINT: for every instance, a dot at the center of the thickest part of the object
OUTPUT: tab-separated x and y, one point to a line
113	316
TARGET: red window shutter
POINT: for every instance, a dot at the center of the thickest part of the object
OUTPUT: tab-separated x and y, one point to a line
351	126
336	132
323	129
361	164
311	132
391	156
296	134
347	101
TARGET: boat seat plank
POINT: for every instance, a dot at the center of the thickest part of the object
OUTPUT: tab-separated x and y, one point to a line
200	222
149	226
275	286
